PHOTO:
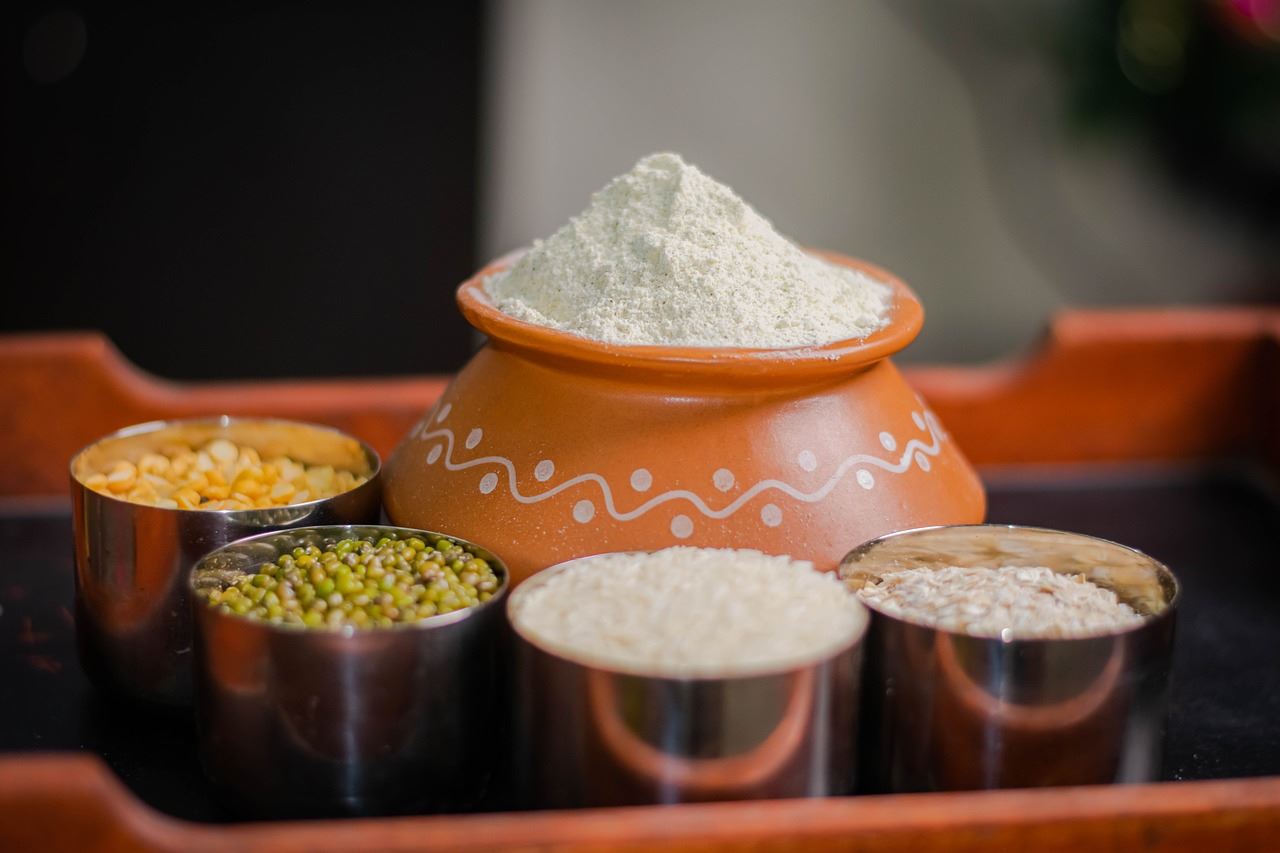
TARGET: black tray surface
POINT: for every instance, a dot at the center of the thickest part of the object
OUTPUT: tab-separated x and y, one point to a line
1214	528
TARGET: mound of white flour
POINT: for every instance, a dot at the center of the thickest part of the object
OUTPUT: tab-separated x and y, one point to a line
666	255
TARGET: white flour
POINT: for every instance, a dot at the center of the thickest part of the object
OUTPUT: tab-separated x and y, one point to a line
665	255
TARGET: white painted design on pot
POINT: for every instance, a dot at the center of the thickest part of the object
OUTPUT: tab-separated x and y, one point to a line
641	480
807	460
915	452
543	470
723	479
682	527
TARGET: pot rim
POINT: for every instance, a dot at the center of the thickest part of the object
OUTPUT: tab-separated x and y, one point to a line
837	357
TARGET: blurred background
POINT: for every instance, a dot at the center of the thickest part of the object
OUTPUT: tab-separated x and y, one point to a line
295	189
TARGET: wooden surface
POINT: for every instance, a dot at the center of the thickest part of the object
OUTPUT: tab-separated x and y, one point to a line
1108	386
1103	387
73	803
76	387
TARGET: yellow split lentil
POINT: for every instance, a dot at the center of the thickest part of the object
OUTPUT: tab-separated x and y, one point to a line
219	475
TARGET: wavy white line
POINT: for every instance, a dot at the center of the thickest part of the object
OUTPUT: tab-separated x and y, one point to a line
908	455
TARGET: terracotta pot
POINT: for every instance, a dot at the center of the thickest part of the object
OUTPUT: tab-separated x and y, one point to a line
549	446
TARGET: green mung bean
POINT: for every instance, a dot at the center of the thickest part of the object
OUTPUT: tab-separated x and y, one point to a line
360	583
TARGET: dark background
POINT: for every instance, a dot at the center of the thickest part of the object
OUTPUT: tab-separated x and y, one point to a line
295	189
230	190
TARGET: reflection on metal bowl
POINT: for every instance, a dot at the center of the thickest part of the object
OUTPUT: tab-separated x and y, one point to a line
133	625
588	735
323	721
948	711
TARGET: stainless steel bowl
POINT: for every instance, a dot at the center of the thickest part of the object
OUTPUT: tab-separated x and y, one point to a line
587	735
297	722
133	624
947	711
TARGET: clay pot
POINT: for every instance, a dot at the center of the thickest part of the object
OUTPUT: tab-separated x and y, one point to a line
550	446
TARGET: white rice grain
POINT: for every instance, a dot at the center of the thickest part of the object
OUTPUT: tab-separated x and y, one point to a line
688	612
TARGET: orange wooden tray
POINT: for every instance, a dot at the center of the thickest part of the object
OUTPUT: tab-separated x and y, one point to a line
1104	387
